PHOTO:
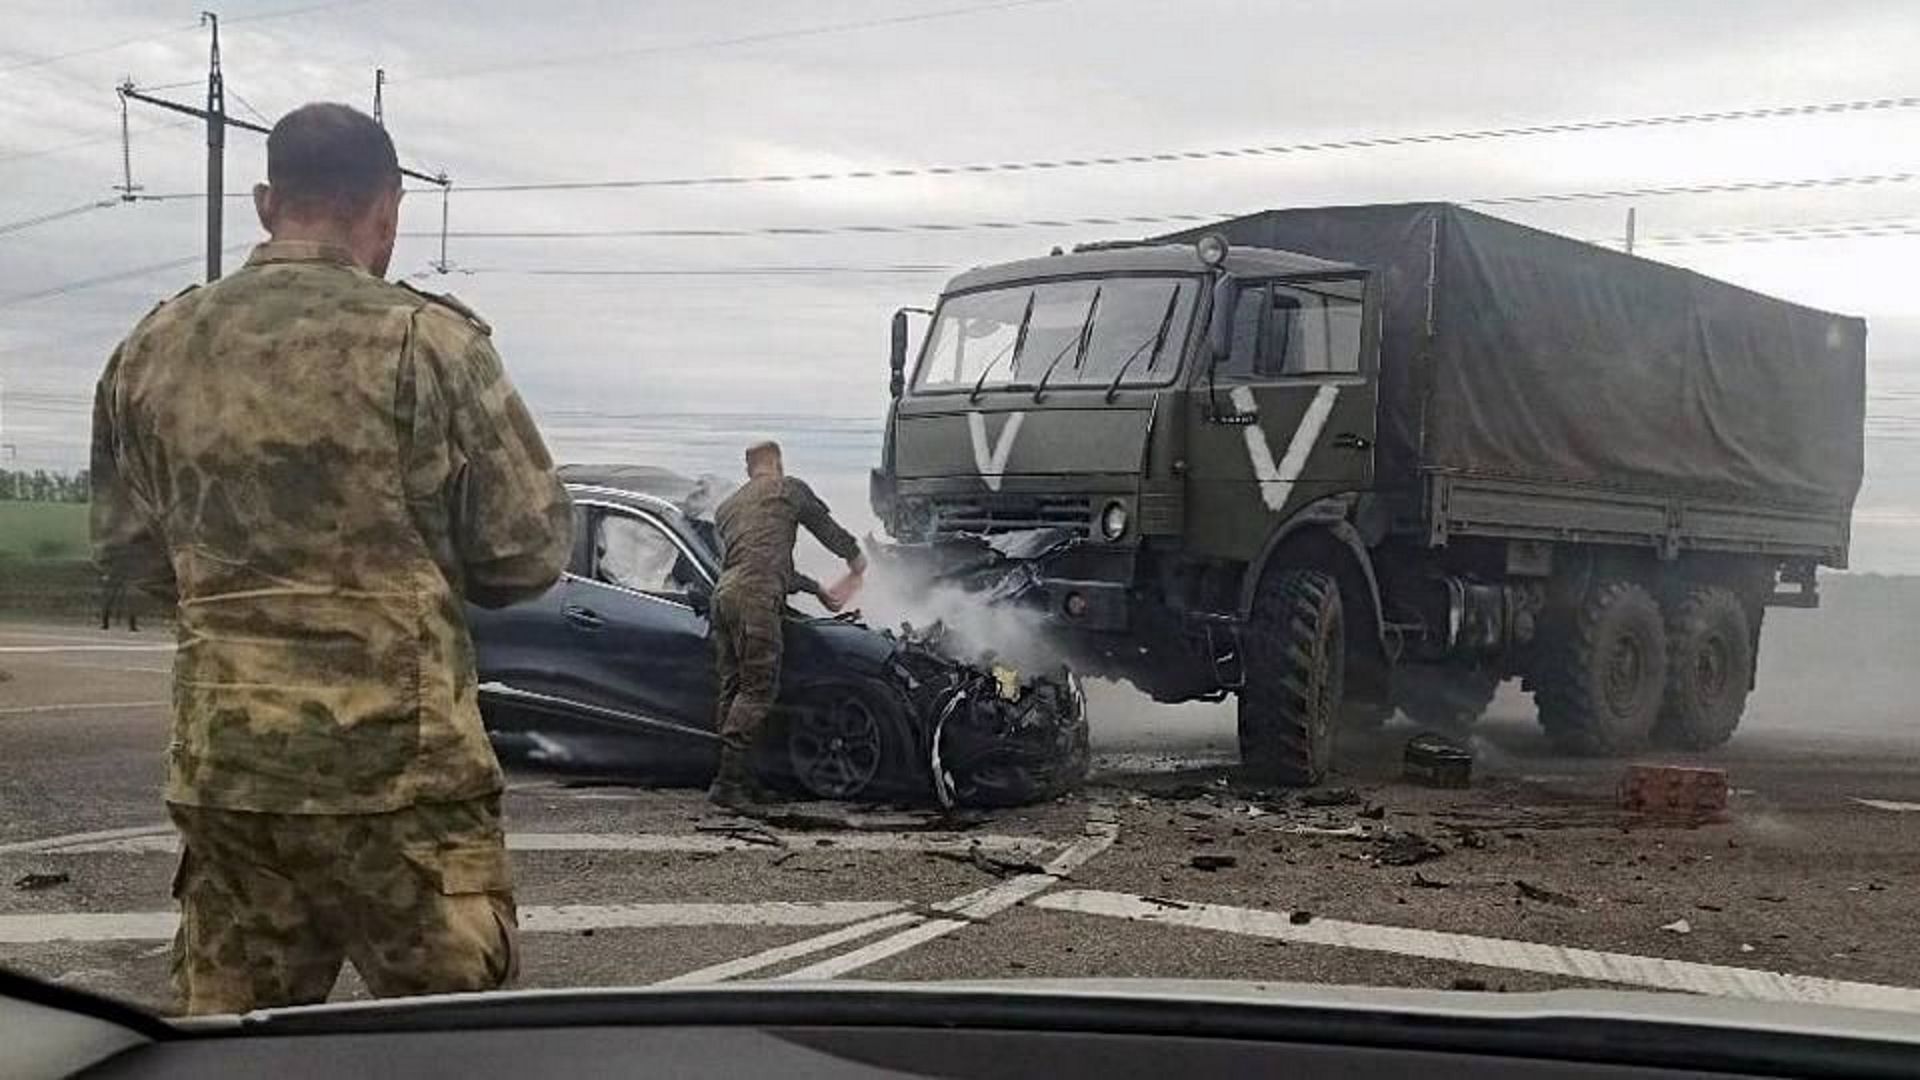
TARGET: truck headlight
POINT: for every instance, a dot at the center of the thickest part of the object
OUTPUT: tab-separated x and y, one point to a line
1113	521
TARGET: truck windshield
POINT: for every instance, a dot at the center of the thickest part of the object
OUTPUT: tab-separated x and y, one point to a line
1139	325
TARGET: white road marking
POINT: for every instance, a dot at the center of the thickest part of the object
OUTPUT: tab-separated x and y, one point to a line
84	648
746	965
18	710
162	840
98	666
1712	979
974	906
541	919
992	462
55	843
1276	481
1890	804
38	635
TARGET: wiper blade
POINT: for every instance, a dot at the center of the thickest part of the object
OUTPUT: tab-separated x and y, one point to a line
1078	344
1158	341
974	394
1014	347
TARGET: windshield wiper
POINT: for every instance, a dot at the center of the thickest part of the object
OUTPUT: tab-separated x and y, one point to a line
1158	341
1014	347
1079	344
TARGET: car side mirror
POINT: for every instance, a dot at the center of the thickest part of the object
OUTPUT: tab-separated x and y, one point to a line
1226	294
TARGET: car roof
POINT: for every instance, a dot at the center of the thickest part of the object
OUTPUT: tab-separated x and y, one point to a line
649	484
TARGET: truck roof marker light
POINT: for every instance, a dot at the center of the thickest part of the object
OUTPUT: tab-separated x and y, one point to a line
1212	249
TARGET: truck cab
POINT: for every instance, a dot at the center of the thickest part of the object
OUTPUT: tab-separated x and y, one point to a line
1138	425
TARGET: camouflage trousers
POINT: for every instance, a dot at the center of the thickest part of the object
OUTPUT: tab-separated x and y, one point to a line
747	643
420	900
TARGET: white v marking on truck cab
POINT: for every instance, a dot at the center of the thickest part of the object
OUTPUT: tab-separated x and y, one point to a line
992	461
1276	481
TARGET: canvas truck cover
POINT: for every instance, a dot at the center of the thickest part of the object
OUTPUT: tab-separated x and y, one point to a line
1511	353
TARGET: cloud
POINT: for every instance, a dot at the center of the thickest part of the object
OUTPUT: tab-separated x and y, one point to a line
1075	78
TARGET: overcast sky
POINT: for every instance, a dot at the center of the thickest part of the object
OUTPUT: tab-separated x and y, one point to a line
573	90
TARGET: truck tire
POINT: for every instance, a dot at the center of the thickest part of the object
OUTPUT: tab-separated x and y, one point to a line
1296	669
1604	673
1447	700
1709	665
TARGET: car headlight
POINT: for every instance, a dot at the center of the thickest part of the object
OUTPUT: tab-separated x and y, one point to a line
1113	521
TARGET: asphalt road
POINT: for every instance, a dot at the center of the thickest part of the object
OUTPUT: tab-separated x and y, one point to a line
1809	890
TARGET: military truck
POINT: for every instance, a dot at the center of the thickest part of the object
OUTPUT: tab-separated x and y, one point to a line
1337	461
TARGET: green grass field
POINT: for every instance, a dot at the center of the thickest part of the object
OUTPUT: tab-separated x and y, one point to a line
38	530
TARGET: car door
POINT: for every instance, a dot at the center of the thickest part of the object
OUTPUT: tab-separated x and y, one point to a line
641	644
517	646
1287	417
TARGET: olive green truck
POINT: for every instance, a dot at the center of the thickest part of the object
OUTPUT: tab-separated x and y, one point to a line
1340	461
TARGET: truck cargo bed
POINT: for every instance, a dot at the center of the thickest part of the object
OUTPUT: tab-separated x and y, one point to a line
1536	386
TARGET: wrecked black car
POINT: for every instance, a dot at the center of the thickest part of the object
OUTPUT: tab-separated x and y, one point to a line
612	669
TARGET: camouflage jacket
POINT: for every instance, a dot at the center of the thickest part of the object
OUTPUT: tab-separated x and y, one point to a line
758	525
320	466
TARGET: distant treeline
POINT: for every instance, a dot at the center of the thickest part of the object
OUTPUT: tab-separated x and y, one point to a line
19	485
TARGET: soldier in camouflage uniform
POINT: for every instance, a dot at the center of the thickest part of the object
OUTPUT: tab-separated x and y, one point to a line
758	525
321	467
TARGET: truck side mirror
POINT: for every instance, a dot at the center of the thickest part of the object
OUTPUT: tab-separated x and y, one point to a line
1226	293
897	356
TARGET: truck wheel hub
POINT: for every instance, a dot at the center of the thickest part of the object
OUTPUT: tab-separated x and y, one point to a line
1626	668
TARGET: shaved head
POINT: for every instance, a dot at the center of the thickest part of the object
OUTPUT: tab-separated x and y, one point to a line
332	178
764	457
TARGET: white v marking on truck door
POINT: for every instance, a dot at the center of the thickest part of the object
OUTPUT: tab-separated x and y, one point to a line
992	461
1276	481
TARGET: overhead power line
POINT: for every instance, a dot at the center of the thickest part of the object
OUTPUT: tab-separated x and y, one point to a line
1754	234
56	215
1371	142
1894	227
1123	220
257	115
1909	226
111	278
718	42
77	144
92	50
708	271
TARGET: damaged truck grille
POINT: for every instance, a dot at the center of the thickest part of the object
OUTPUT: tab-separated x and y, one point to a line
988	514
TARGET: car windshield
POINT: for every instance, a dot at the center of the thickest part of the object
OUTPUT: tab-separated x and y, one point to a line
1075	333
494	497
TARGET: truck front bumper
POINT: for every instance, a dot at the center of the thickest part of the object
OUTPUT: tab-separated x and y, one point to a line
1078	585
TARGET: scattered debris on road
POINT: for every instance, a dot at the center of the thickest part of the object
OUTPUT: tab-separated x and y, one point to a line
1678	926
1437	761
1676	791
1300	918
1161	901
1422	881
990	864
1212	862
746	834
31	882
1322	797
1534	892
1406	849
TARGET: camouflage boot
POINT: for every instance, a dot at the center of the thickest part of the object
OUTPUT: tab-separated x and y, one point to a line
734	786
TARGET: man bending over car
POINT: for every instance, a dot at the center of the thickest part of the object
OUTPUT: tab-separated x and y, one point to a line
758	526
